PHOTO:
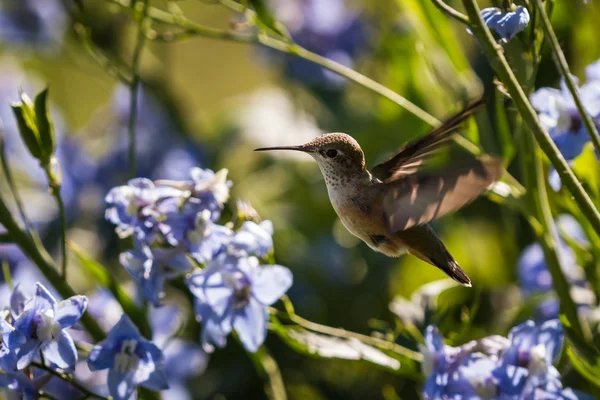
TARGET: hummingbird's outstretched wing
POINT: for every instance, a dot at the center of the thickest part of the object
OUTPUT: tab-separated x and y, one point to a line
419	198
413	154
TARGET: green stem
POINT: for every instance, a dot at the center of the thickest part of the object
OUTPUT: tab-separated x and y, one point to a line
563	66
12	186
55	185
39	256
267	368
68	378
451	12
341	333
135	81
495	56
191	28
535	181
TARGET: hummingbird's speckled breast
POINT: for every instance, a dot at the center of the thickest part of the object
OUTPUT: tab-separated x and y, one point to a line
359	204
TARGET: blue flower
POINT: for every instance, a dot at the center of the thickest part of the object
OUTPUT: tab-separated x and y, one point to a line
559	115
43	322
233	293
183	359
526	366
254	239
139	208
151	267
326	27
130	359
207	239
32	22
494	368
535	278
19	384
11	340
505	24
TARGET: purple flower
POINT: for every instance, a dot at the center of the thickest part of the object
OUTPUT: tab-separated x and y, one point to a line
32	22
233	293
42	321
151	267
130	359
505	24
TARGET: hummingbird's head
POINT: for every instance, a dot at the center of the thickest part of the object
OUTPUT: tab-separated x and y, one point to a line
337	154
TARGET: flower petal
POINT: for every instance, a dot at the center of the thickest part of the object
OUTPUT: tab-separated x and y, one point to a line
102	356
157	381
43	299
123	328
61	351
121	386
270	283
27	353
250	323
68	311
18	299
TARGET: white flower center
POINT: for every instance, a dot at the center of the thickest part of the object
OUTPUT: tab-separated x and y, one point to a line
48	328
126	360
537	363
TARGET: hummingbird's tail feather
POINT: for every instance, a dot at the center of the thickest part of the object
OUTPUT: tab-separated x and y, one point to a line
455	272
422	242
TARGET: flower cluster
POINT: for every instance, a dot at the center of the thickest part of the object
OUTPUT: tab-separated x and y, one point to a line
174	227
495	367
36	327
559	115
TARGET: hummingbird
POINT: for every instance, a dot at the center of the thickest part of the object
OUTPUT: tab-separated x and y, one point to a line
390	206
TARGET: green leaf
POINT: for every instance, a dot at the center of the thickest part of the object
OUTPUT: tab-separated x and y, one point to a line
588	371
587	168
325	346
104	279
45	125
27	128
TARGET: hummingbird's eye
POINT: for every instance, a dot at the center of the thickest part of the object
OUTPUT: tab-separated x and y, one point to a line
331	153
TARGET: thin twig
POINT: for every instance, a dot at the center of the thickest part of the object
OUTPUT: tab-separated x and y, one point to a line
135	81
495	56
561	63
68	378
192	28
451	12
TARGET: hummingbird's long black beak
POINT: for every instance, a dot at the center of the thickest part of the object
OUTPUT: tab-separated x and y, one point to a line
296	148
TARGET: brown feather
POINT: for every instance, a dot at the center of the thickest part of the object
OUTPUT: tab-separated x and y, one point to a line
422	197
413	154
